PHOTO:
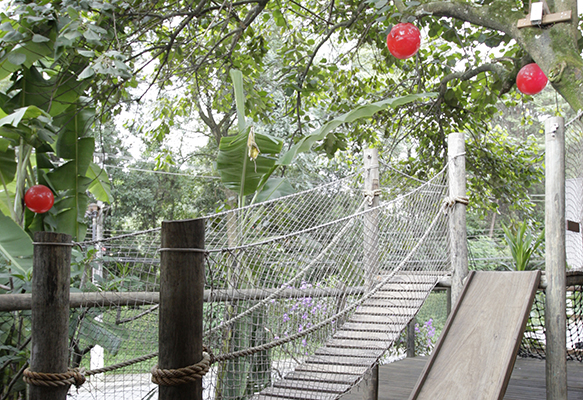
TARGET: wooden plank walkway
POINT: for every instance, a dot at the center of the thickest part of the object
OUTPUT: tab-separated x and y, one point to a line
527	382
354	348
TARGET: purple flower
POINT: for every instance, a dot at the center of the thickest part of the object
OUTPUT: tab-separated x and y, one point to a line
285	317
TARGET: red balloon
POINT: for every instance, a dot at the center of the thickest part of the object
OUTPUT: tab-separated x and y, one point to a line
39	199
404	40
531	79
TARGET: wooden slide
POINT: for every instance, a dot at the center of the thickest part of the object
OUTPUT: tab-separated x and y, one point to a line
475	354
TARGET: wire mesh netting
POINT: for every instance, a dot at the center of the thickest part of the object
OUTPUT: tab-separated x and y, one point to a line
282	277
574	193
533	343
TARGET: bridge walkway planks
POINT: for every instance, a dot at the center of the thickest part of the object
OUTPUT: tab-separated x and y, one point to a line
354	348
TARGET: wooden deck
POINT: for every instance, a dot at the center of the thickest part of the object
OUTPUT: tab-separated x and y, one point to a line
396	380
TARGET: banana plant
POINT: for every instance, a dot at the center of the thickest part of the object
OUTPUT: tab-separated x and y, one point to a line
247	161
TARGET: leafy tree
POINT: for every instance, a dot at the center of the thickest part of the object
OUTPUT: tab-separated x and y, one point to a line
46	122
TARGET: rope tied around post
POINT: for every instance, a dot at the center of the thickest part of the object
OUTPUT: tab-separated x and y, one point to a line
369	195
74	376
451	201
180	376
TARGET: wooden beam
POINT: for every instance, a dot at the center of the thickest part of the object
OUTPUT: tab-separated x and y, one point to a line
548	19
22	301
18	302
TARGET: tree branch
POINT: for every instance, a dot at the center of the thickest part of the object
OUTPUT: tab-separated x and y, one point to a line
495	16
464	76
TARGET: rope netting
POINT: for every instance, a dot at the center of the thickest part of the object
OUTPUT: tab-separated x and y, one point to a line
533	342
281	279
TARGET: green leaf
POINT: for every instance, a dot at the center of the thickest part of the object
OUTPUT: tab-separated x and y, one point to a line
14	118
17	58
232	161
4	144
274	188
24	113
65	177
237	77
40	38
29	51
68	221
364	111
86	73
74	141
53	95
7	165
100	186
15	245
92	36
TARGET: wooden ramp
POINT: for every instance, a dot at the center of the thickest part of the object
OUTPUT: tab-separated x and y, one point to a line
356	347
475	354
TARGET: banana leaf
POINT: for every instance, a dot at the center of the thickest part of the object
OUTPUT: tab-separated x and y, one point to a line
237	171
365	111
15	245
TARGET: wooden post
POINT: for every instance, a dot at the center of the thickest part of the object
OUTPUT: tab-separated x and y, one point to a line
371	221
181	300
457	215
411	337
97	354
51	279
555	308
371	249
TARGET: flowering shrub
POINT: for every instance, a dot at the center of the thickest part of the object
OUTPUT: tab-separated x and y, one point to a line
425	339
298	314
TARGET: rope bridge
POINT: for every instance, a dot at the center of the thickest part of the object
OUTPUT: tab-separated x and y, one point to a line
303	294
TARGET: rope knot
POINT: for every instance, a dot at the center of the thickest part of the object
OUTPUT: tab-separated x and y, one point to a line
369	195
74	376
449	202
180	376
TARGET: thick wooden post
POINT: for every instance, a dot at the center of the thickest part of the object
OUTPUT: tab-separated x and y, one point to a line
371	249
51	278
181	301
457	215
555	308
